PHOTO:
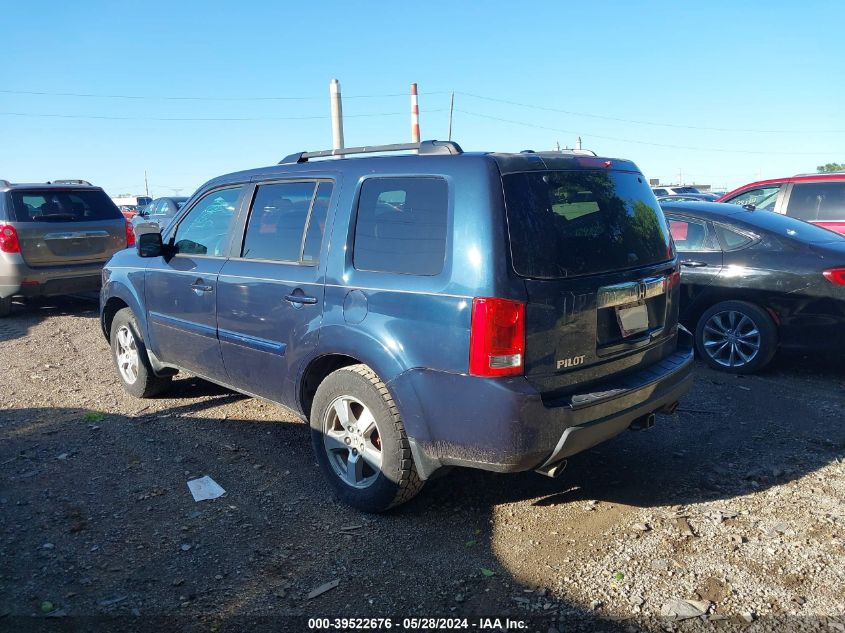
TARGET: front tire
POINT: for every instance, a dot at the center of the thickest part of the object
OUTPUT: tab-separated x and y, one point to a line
130	358
360	442
736	336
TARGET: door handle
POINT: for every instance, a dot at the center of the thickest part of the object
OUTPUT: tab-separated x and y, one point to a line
300	299
693	264
198	286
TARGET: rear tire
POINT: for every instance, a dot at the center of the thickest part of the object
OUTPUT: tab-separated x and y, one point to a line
736	336
5	306
360	442
130	358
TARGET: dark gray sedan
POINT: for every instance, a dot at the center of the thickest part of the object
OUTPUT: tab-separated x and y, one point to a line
753	281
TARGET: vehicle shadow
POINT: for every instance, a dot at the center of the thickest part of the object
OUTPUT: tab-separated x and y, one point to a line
27	313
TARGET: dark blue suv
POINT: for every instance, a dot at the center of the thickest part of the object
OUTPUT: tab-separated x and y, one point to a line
437	308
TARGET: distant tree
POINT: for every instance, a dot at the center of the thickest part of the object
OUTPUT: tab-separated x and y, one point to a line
826	169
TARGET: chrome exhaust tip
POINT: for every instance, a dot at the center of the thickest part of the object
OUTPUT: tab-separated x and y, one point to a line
643	423
553	470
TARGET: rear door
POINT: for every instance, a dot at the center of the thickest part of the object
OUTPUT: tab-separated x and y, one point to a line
699	253
181	290
67	226
595	252
270	299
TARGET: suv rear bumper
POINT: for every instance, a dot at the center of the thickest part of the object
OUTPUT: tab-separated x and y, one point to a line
503	425
17	278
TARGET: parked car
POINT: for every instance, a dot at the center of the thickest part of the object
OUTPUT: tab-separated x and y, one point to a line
675	190
131	205
816	198
754	281
160	211
55	238
496	311
688	197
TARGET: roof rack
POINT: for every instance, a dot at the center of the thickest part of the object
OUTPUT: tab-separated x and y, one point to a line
5	183
826	173
423	148
69	182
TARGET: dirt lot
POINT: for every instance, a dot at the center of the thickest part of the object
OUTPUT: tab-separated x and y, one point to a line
733	504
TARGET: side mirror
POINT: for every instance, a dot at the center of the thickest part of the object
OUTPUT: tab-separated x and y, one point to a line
149	244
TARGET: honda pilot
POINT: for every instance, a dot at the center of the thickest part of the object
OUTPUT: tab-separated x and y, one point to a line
437	308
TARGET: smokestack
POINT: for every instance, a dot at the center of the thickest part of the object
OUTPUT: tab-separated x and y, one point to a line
337	114
415	115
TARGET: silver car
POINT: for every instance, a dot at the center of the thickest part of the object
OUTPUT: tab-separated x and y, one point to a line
55	238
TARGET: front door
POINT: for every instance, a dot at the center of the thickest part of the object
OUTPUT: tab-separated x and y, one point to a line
270	299
181	290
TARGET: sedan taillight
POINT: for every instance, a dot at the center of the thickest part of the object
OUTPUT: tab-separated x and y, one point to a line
9	239
835	276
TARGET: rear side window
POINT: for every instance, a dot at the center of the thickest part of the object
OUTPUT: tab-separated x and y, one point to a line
401	225
277	221
51	205
731	240
813	201
691	235
763	198
568	223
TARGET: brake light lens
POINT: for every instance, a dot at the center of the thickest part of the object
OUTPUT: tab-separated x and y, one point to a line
130	234
497	337
9	239
835	276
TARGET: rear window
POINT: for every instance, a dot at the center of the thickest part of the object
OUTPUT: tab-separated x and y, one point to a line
568	223
51	205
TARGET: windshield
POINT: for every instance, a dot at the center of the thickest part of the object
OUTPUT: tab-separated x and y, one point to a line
686	190
55	205
568	223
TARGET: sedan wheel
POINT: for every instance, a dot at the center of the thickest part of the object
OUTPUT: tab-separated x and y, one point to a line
736	336
731	339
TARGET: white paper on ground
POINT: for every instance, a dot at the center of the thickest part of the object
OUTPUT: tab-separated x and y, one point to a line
205	488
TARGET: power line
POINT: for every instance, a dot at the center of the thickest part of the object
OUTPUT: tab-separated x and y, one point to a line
199	98
627	140
134	118
640	122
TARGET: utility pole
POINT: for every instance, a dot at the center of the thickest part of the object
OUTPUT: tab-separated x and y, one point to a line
680	176
337	114
415	115
451	110
578	146
146	184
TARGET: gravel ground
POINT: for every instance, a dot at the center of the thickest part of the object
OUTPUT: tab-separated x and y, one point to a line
730	511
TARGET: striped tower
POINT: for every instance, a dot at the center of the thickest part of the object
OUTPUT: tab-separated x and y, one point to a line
415	115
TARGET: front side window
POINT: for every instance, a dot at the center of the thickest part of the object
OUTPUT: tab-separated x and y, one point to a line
401	225
814	201
277	221
690	235
763	198
568	223
205	229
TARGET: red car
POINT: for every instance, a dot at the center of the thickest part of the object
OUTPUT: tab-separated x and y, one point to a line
816	198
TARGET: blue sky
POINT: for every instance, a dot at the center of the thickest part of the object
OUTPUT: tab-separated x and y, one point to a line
666	84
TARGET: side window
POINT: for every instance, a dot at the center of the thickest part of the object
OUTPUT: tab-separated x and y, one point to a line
203	231
763	198
401	225
690	235
813	201
317	224
277	221
660	192
731	240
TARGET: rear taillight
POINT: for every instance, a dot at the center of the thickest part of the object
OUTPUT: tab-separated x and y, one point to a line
130	234
835	276
674	278
9	239
497	337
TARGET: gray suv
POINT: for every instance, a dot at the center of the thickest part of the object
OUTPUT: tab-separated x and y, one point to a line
55	238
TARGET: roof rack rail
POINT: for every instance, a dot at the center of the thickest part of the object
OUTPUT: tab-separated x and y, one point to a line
423	148
826	173
69	182
5	183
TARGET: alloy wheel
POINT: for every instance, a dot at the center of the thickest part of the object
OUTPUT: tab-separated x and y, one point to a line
127	355
352	442
731	338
